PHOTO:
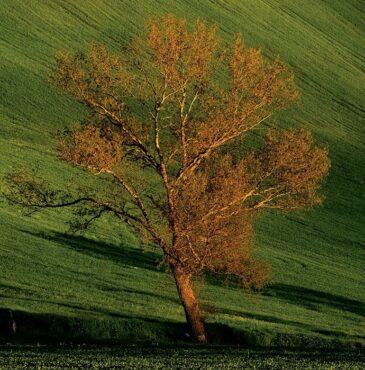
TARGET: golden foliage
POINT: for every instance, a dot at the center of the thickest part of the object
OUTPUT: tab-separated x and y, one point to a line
295	166
172	101
91	147
96	78
180	55
212	231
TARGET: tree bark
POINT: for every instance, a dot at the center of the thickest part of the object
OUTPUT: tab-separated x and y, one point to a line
190	304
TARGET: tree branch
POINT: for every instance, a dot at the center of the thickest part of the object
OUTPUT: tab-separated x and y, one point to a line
195	162
229	205
138	201
119	123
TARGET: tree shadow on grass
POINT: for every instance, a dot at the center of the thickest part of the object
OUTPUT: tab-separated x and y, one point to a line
48	329
300	296
117	328
313	299
123	254
304	327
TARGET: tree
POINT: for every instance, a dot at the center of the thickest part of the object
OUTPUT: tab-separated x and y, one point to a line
163	116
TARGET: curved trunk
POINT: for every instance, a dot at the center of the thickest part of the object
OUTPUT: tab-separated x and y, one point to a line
190	305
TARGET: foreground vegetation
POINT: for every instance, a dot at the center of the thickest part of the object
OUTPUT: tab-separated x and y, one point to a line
99	284
172	358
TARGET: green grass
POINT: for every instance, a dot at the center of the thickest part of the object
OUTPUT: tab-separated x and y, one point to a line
171	358
104	285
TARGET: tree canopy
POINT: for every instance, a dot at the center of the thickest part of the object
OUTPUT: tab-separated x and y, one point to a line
163	113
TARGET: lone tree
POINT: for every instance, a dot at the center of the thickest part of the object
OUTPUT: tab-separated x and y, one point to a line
163	117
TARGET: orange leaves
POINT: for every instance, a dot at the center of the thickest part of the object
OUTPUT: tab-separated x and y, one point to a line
292	160
95	78
257	85
254	77
245	65
175	117
168	39
91	147
182	56
216	204
213	233
255	90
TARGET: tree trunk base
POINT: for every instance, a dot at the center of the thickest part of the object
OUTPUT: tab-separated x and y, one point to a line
190	304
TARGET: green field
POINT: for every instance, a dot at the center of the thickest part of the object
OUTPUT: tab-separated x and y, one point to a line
104	285
172	358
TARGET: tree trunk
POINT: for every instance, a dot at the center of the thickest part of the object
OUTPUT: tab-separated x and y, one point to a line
190	305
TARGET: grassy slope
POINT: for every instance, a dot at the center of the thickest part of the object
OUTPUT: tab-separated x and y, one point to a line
317	257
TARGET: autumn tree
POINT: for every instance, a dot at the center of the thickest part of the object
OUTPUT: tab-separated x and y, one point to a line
163	115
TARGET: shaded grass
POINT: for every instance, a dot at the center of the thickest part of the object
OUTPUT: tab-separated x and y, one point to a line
119	329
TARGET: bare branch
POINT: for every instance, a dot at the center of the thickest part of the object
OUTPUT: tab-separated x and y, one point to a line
139	202
195	162
119	122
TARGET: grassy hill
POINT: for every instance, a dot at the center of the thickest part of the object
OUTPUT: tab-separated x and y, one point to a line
103	284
